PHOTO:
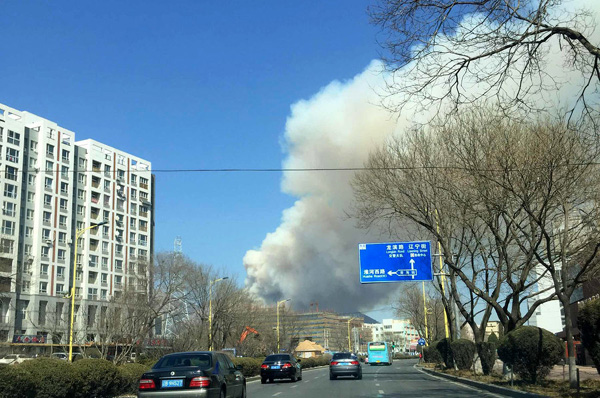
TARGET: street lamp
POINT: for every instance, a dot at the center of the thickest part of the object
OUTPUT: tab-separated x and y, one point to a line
210	310
349	348
278	303
78	234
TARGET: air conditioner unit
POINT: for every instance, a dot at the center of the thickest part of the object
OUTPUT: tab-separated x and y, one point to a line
49	241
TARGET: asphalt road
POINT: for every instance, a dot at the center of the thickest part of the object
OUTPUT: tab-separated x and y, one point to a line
401	379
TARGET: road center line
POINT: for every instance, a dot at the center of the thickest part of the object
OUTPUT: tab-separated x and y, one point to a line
277	393
380	391
294	386
377	385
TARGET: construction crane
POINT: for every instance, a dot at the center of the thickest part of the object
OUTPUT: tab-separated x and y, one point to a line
246	332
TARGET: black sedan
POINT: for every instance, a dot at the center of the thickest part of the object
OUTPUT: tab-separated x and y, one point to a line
280	366
193	374
344	364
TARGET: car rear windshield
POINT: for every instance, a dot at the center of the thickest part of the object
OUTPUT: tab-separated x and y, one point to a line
276	358
343	355
202	361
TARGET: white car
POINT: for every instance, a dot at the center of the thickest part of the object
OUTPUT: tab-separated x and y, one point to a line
11	359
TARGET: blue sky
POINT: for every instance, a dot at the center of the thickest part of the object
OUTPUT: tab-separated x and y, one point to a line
187	84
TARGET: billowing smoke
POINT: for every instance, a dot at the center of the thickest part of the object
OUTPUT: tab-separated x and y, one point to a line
313	255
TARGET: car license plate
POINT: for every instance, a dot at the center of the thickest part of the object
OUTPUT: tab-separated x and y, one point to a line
275	367
172	383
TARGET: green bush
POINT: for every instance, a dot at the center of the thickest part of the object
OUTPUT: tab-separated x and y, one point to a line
493	339
588	320
487	355
53	378
432	355
531	352
308	363
403	356
15	382
250	366
463	351
130	375
443	346
98	378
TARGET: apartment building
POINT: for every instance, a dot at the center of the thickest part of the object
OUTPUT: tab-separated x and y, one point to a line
52	188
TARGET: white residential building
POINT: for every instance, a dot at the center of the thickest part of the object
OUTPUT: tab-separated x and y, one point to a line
549	315
53	186
399	331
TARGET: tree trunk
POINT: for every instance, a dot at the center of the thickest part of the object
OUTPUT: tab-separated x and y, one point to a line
570	346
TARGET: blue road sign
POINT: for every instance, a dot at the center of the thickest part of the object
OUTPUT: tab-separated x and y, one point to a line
421	341
395	262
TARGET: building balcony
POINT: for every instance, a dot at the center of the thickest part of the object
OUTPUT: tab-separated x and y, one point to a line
143	185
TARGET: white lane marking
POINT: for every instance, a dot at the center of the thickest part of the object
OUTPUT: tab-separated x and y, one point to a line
294	386
377	385
277	393
487	393
306	381
380	391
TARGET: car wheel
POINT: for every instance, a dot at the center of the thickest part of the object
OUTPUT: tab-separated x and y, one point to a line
300	377
243	391
270	380
222	394
293	379
332	377
359	376
263	380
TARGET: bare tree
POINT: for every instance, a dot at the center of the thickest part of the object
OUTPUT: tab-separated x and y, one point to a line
490	191
410	305
447	52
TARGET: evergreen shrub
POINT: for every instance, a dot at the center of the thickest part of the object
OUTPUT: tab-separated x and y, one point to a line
487	356
588	320
463	351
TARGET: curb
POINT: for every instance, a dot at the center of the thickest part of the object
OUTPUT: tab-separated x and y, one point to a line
484	386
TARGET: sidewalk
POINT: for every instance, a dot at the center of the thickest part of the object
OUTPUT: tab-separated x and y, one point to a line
585	373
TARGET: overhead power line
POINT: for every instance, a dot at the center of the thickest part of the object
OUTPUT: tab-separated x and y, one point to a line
321	169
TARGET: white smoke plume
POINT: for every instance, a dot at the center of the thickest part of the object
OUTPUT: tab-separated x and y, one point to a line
313	255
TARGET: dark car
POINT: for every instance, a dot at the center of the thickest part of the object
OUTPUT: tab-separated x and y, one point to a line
193	374
344	364
280	366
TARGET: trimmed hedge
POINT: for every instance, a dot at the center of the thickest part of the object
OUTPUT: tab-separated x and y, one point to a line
588	321
443	346
531	352
97	378
250	366
130	376
14	382
463	352
432	355
487	355
52	378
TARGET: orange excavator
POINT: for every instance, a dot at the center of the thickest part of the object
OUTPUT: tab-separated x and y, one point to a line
246	332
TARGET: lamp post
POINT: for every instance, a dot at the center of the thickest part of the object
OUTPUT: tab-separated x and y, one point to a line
78	234
349	347
210	310
278	303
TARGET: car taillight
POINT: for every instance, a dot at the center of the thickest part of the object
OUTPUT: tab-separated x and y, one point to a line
287	365
354	363
147	384
200	381
263	366
334	363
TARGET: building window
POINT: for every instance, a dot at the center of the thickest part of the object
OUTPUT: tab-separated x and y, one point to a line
60	272
48	183
49	166
9	209
10	191
81	163
30	197
33	146
64	204
62	237
80	210
43	287
65	155
60	290
30	214
45	234
47	200
62	221
28	232
64	171
8	227
50	150
11	173
47	217
12	155
13	138
62	254
81	178
44	270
